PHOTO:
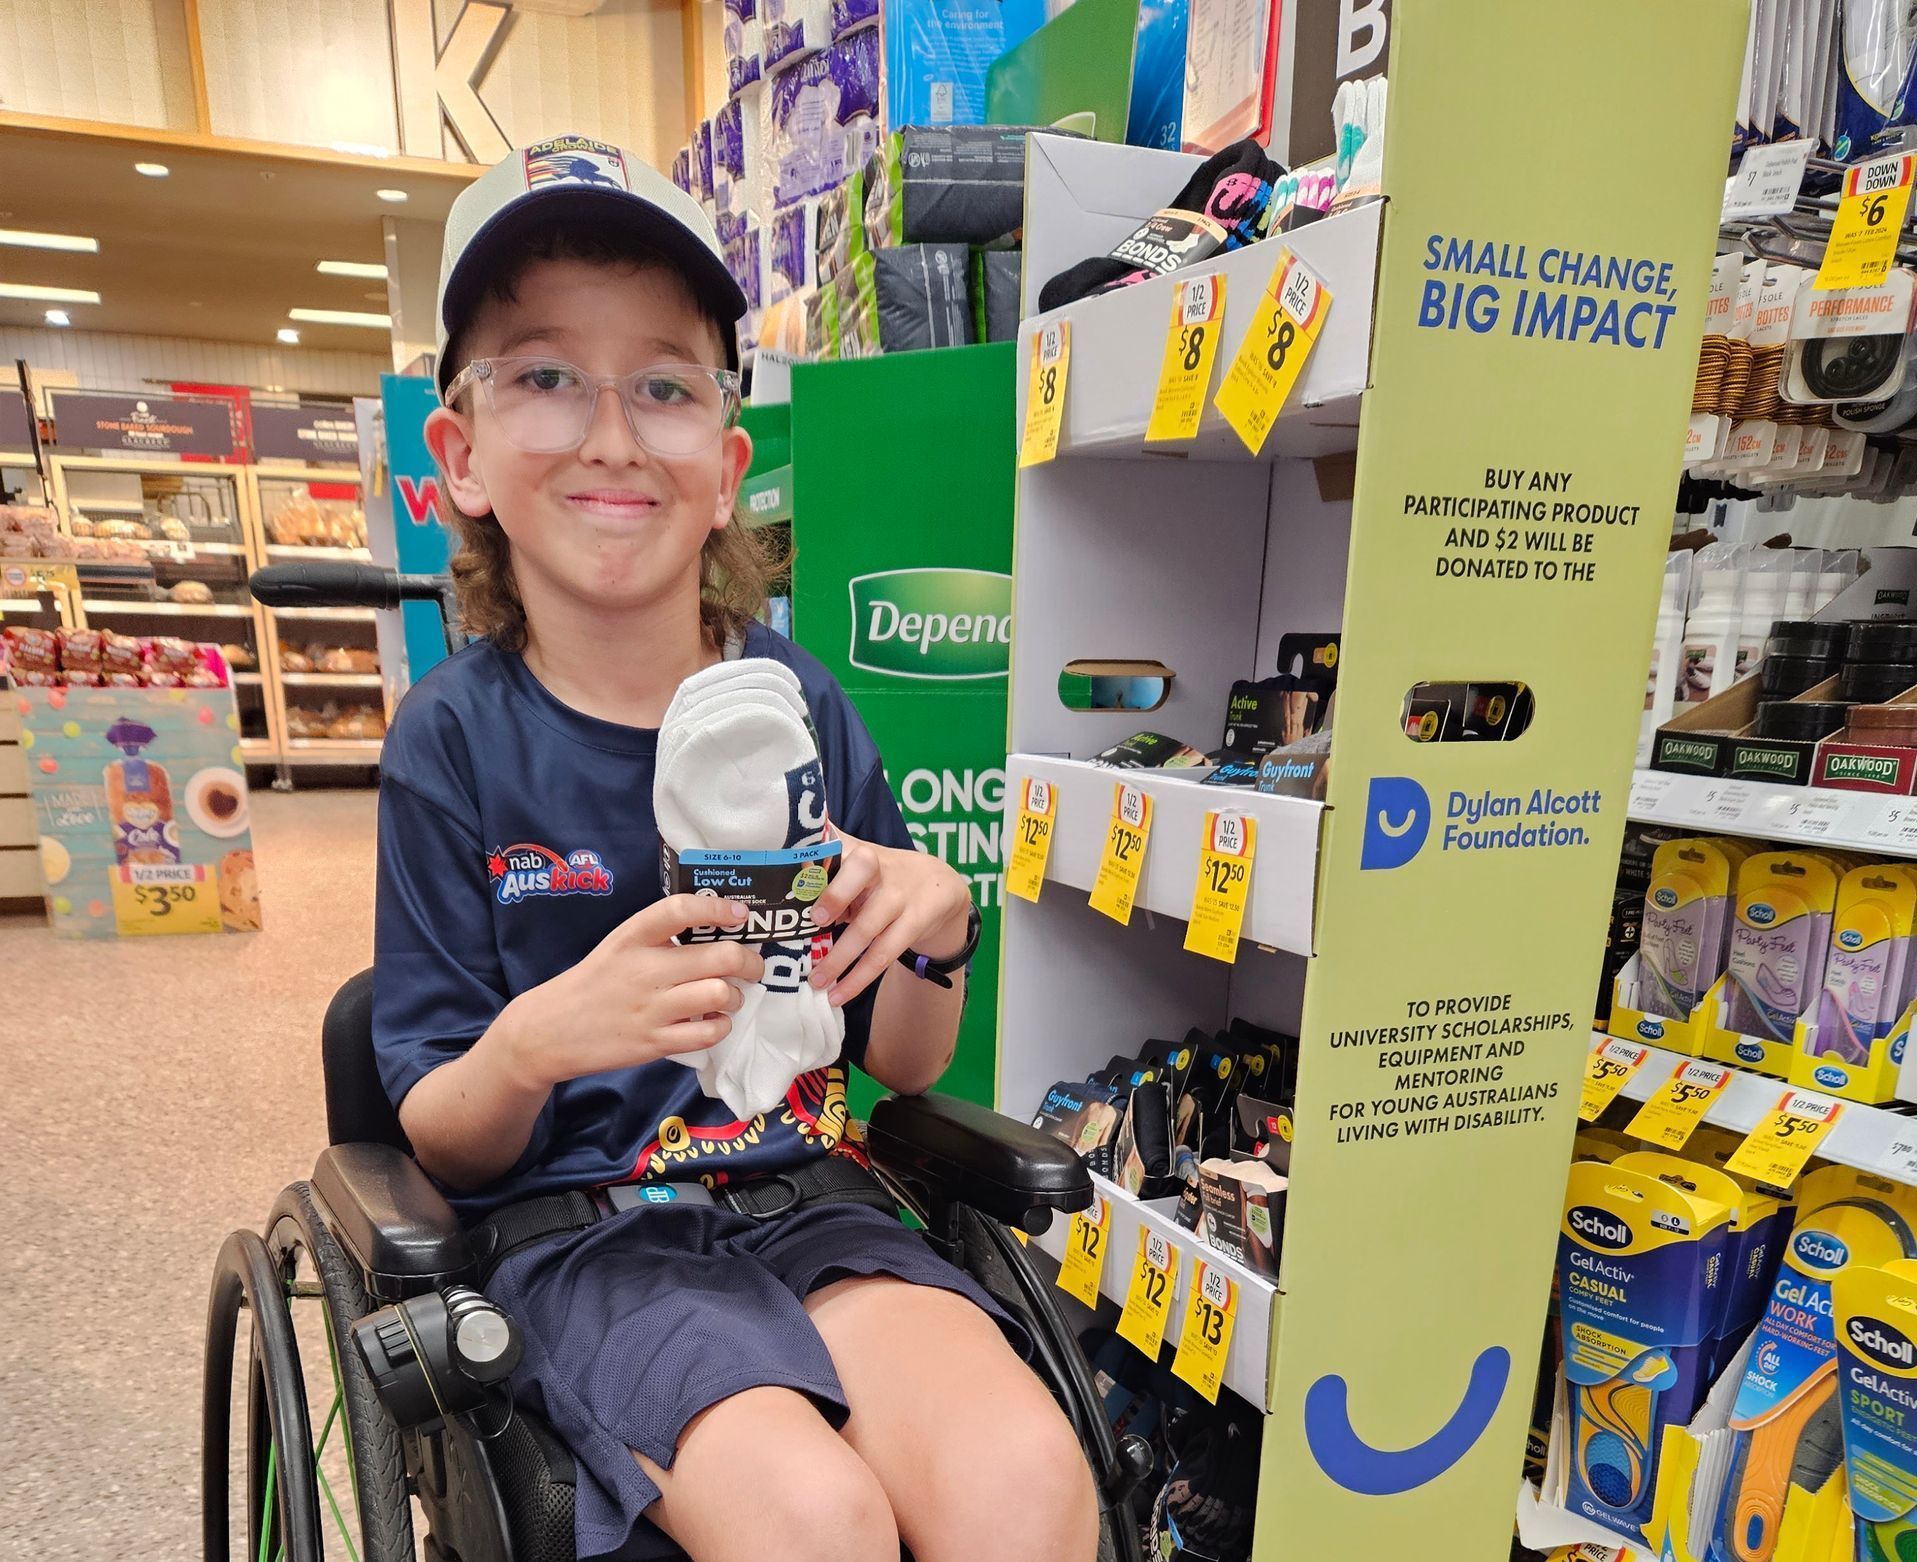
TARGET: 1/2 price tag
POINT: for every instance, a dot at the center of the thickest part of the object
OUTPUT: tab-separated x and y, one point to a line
1085	1252
1148	1298
1045	396
1224	883
1272	356
1205	1339
166	898
1785	1138
1868	224
1116	885
1683	1101
1031	838
1606	1072
1198	315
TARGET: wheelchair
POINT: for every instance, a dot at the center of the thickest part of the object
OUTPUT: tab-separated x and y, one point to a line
369	1230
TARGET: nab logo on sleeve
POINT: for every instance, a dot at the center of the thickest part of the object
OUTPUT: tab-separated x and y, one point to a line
1397	820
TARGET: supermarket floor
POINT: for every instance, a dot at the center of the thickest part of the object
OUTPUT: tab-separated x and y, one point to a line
154	1094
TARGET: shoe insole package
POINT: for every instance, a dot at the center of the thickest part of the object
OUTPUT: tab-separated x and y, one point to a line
1685	929
1867	971
950	184
1779	942
1875	1324
904	300
995	285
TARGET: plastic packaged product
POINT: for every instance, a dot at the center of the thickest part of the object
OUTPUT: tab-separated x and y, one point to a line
1759	605
793	261
682	169
1864	975
1840	568
139	800
1685	928
702	160
793	28
736	170
841	234
816	109
743	45
1779	942
1711	630
746	260
937	54
905	300
1667	653
1876	79
995	294
1807	565
848	16
964	185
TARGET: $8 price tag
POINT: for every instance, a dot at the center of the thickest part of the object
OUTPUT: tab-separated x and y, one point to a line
1045	394
1148	1299
1205	1339
1785	1138
1272	356
1191	343
1031	838
1116	885
1223	885
1085	1253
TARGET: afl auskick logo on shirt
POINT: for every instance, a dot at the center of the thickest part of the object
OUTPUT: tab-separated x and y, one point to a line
528	869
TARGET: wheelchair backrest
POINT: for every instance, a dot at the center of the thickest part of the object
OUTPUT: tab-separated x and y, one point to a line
357	1111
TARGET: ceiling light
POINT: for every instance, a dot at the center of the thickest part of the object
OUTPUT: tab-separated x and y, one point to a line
49	295
395	196
289	336
348	268
58	317
152	170
20	239
341	317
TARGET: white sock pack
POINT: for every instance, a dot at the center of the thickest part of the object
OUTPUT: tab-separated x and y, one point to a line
738	770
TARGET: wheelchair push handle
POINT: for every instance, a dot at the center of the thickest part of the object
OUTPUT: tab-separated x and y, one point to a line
339	583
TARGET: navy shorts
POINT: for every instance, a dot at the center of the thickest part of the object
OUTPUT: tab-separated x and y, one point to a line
635	1325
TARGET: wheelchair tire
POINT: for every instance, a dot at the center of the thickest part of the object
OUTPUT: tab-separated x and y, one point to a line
376	1453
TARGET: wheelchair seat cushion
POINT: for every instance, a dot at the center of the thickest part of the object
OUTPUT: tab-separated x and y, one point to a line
635	1325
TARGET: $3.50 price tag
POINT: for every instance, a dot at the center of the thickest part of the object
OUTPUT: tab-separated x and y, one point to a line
1683	1101
1785	1138
1148	1299
1198	314
1606	1072
166	898
1205	1339
1085	1252
1272	356
1224	882
1045	396
1031	838
1869	221
1124	858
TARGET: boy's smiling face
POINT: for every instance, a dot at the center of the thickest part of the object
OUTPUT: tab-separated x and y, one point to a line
609	526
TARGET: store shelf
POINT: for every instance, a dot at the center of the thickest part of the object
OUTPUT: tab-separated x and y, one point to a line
1248	1364
1118	344
246	679
110	506
331	751
1881	1139
24	605
1808	815
343	680
299	550
340	614
1284	872
167	609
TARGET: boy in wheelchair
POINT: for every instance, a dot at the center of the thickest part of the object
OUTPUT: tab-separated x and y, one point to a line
770	1364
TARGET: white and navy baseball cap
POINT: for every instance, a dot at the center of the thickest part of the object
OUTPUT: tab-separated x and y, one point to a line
577	179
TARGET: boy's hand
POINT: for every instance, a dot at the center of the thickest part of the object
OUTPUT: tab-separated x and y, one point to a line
891	900
637	997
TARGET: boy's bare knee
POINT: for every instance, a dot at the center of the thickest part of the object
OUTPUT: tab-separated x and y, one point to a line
1026	1496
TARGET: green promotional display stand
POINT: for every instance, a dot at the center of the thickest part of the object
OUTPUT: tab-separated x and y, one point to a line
902	526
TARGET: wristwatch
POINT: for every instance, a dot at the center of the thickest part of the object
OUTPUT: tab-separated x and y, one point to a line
940	971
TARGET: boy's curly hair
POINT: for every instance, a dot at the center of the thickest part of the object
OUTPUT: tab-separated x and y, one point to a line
737	565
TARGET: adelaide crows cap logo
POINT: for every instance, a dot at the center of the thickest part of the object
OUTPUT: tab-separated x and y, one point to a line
575	160
527	868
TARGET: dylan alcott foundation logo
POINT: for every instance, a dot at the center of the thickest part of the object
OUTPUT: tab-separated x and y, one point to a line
939	624
1878	769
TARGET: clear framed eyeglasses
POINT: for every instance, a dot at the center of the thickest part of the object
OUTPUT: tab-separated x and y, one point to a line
545	405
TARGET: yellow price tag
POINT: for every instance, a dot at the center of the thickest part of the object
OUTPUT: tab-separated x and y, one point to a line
1116	885
1045	395
1205	1340
1272	356
166	898
1668	1119
1085	1253
1606	1072
1785	1138
1032	838
1198	315
1148	1298
1224	881
1868	224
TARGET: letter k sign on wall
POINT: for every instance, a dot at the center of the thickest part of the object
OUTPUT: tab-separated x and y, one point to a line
430	81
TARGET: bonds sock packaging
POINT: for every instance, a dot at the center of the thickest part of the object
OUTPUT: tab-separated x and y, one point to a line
1876	1329
1244	1211
1780	940
1852	1043
1642	1281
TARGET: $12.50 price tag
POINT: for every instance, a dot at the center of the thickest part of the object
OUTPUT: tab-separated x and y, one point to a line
1031	838
1224	883
1668	1119
1272	356
1148	1299
1198	314
1606	1072
1085	1252
166	898
1785	1138
1869	221
1124	857
1045	395
1205	1340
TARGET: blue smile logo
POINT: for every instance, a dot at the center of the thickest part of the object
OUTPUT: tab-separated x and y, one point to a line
1397	820
1360	1467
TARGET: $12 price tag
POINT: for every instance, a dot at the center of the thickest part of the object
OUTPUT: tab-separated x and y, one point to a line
1085	1252
1032	838
1198	314
166	898
1683	1101
1045	395
1224	883
1785	1138
1868	224
1124	858
1272	356
1205	1340
1148	1299
1606	1072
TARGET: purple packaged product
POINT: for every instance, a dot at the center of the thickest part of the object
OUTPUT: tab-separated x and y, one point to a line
854	66
796	142
682	169
702	160
742	50
795	27
728	140
745	259
850	15
794	249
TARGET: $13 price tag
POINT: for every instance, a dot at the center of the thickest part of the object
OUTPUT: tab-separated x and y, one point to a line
1606	1072
1031	838
1085	1252
1148	1299
1785	1138
1224	883
1272	356
1683	1101
1124	857
1045	396
1205	1340
1198	314
166	898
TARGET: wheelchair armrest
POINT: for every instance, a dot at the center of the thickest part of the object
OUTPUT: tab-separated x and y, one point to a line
964	1153
390	1219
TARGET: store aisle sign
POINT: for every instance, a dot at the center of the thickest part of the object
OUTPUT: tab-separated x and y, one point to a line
312	431
151	425
935	624
16	428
